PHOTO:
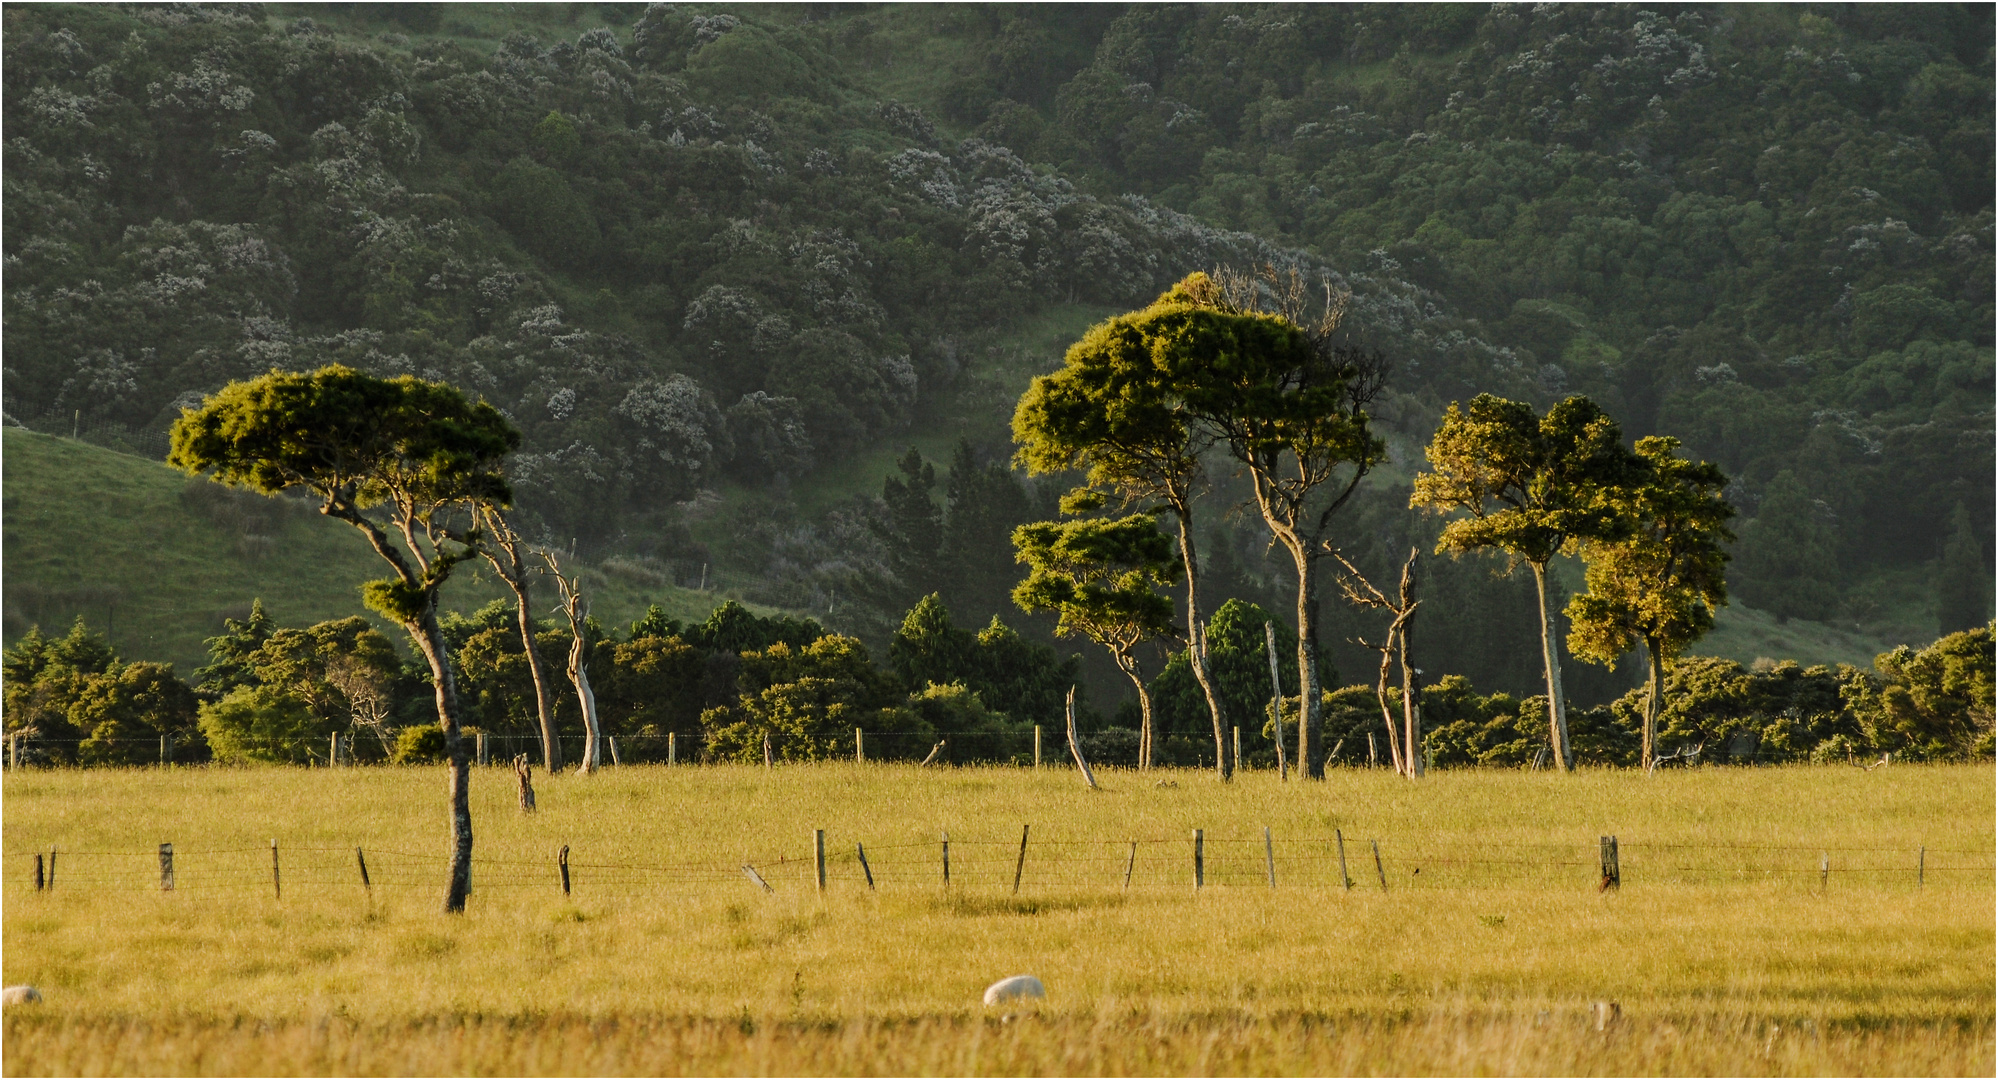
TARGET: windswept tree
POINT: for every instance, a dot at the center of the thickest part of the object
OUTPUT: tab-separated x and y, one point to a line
1102	578
576	608
1659	583
1272	380
402	460
1115	411
1531	486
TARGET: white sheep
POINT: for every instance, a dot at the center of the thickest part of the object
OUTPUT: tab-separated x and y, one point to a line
1018	986
19	995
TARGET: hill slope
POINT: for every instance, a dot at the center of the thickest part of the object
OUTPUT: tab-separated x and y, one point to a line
159	560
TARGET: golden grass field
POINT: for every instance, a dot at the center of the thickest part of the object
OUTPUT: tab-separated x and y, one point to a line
1726	950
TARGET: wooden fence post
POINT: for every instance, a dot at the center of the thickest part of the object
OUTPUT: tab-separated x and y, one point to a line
768	759
38	871
1131	864
277	891
859	748
819	856
1199	858
1343	878
611	741
1022	864
1037	746
562	863
1612	873
946	858
485	751
166	750
166	868
672	747
52	855
366	885
523	772
1238	744
1373	754
13	752
1269	855
1379	870
861	850
1824	871
749	872
1921	868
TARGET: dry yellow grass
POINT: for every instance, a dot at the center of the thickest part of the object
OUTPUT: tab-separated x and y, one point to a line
1722	949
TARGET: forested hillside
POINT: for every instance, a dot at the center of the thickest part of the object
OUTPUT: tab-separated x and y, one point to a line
722	265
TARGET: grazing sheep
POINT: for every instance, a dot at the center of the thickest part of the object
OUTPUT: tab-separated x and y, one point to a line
1019	986
25	995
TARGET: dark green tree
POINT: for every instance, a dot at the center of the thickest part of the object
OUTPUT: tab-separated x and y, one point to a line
1533	487
1102	577
1789	553
1963	585
1659	583
415	452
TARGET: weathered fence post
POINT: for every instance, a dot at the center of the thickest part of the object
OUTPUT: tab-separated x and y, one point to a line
1037	746
1612	873
819	856
1131	864
485	751
1238	744
1921	868
166	868
861	850
769	759
1344	879
366	885
523	772
1269	856
1199	858
672	748
1373	754
562	863
1824	871
946	858
611	741
13	752
166	750
277	892
755	878
52	855
1379	870
859	748
1022	864
38	871
333	750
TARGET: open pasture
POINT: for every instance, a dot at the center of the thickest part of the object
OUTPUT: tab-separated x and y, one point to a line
1769	921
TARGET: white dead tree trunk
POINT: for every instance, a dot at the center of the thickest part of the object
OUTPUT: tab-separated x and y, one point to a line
578	611
1405	745
1075	745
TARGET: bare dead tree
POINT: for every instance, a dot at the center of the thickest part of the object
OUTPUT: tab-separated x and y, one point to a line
508	554
523	771
369	698
1395	645
578	611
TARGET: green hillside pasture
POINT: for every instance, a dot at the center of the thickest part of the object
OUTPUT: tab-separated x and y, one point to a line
159	560
1724	950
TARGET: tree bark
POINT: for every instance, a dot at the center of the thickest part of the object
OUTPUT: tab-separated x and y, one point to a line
1654	687
1550	653
1130	668
1387	711
1196	643
1310	712
544	711
579	675
431	639
1276	699
1411	694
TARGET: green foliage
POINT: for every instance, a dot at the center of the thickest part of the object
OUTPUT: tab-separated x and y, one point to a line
1021	678
1237	656
419	744
1963	586
1789	553
263	724
1102	577
93	709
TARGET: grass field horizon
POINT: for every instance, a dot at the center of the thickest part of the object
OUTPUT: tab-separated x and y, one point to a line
1725	949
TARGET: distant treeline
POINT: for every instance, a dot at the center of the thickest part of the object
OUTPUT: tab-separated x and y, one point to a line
276	694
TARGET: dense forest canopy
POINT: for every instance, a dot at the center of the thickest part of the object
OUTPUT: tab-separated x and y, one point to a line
711	248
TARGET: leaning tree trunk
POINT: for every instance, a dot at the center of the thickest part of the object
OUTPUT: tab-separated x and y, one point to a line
544	710
1654	697
430	638
1550	652
1196	645
1387	711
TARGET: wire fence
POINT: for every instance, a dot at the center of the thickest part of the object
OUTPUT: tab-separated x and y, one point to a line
1023	865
